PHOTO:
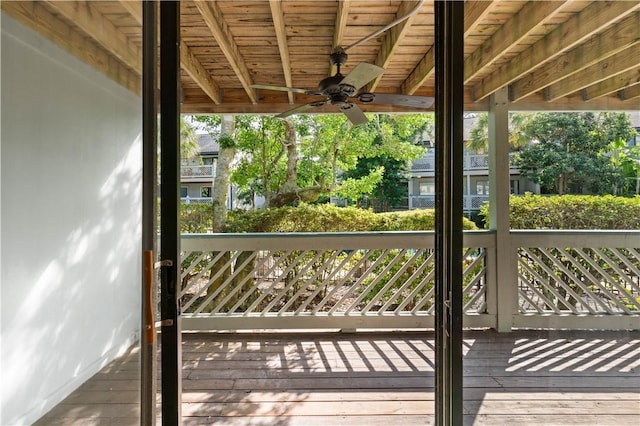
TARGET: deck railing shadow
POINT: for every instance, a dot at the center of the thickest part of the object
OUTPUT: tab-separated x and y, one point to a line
276	374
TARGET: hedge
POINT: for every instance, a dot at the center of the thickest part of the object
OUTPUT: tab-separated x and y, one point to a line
330	218
571	212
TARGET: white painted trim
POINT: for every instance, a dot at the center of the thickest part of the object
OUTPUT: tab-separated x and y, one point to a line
321	321
578	322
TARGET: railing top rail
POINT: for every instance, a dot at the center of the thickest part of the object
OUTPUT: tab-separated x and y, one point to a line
325	240
575	238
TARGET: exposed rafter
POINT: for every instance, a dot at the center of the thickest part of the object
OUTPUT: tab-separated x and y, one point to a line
611	85
37	16
134	8
214	19
529	18
585	53
419	74
341	23
391	41
199	74
617	64
101	30
188	61
474	12
283	47
564	37
619	37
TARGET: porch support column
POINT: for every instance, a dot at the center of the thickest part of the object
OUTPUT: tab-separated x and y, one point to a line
449	61
170	203
502	278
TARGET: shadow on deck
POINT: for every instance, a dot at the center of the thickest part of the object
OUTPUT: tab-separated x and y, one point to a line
524	377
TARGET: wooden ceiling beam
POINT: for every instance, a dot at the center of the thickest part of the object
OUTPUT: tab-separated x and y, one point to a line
474	13
599	47
619	63
630	92
565	36
134	8
278	25
420	73
199	74
88	19
339	28
40	19
188	60
534	103
392	38
214	19
530	17
613	84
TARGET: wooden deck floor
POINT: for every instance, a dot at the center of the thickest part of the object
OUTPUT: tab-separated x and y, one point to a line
521	378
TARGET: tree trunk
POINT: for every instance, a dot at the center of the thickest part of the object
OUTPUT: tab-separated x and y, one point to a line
222	178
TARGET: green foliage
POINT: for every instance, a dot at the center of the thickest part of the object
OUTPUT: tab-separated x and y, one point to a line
392	146
226	141
329	218
188	140
195	218
210	123
479	135
414	220
325	145
572	212
570	151
356	188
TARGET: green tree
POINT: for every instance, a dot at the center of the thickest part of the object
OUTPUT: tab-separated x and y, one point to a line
188	140
394	143
569	152
298	159
479	135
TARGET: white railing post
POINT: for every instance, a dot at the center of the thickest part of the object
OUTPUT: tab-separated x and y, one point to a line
505	284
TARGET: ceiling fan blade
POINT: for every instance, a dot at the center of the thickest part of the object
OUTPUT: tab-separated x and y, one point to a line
299	109
286	89
355	115
362	74
397	99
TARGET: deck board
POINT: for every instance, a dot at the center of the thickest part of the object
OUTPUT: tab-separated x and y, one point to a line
519	378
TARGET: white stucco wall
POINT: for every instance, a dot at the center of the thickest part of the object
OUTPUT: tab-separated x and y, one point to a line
69	225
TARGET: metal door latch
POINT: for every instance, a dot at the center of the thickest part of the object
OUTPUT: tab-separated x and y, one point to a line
162	263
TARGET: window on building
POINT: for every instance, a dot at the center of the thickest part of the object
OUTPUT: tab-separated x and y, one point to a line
205	191
427	188
183	192
207	161
482	187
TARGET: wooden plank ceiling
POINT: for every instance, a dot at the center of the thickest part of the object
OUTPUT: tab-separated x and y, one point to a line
555	55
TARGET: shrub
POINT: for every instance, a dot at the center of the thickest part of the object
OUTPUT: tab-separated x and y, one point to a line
329	218
195	218
572	212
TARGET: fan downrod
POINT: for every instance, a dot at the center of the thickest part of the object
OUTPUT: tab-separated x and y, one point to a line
338	57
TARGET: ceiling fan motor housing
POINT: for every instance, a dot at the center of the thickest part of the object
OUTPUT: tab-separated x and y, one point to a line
338	56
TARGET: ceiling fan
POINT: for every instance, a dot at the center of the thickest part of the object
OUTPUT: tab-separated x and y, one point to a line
339	90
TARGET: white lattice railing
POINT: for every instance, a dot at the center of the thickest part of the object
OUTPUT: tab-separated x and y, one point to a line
199	171
470	202
578	276
321	280
567	279
427	163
